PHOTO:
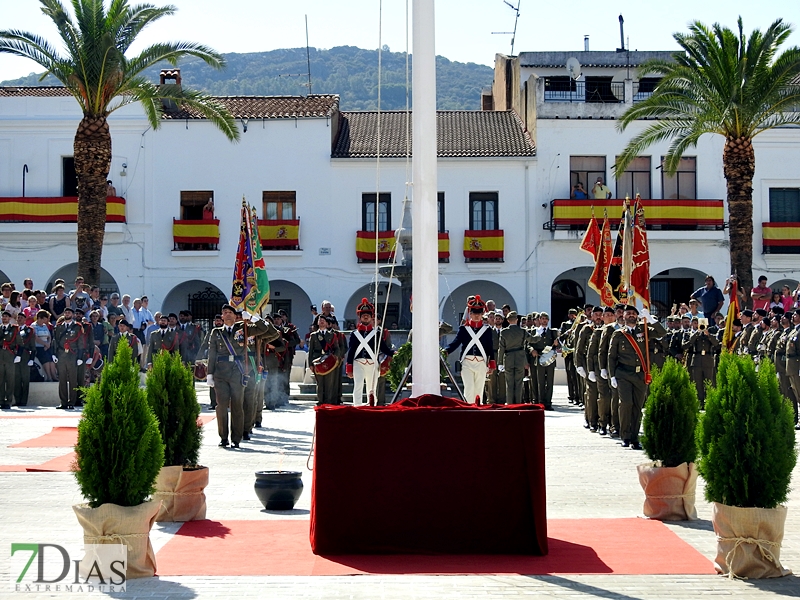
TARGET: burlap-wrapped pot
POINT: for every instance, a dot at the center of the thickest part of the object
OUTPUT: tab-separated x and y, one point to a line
182	495
669	491
129	525
749	541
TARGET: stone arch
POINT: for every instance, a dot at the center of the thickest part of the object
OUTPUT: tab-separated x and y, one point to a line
292	298
453	306
204	299
570	289
107	283
368	291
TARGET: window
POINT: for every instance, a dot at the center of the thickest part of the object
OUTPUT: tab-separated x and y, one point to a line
604	89
644	88
280	206
784	205
682	185
192	204
384	212
440	211
586	169
635	179
483	211
69	181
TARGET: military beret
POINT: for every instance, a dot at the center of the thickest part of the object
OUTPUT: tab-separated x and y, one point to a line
747	313
572	311
512	315
531	316
79	310
761	312
588	306
632	307
737	322
620	306
163	317
230	308
789	313
777	310
331	320
766	320
7	312
186	313
217	317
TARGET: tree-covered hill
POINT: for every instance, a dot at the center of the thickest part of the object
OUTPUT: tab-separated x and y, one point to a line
346	70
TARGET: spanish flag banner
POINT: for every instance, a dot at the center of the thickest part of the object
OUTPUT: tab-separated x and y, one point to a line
698	214
279	233
366	244
54	210
483	244
444	246
195	232
781	234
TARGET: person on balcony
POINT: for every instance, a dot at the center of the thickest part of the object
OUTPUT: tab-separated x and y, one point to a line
111	191
600	191
578	193
208	210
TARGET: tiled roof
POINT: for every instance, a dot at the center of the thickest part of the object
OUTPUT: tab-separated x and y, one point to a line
270	107
459	134
38	91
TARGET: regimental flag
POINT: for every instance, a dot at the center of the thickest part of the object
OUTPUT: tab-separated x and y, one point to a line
250	290
599	279
591	239
733	311
614	279
640	272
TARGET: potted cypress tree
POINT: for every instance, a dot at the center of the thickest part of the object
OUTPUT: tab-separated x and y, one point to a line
747	451
181	482
669	424
119	454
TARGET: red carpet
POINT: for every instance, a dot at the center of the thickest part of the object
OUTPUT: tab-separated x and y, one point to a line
577	546
59	437
59	464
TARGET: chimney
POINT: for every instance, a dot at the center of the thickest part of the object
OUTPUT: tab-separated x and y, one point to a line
621	35
586	43
171	77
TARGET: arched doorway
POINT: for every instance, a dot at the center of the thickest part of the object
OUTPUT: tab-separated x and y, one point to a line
202	298
674	286
6	279
291	298
348	318
565	294
452	309
68	273
778	285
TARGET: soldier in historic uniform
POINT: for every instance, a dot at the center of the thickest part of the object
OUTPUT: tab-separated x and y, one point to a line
164	338
605	419
126	336
191	337
69	346
511	357
226	370
793	361
582	366
323	352
628	371
496	380
26	352
365	344
477	353
700	349
9	358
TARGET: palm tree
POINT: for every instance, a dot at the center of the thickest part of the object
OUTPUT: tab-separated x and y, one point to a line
99	75
726	84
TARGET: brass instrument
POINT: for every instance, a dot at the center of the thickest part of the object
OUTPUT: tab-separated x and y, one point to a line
569	335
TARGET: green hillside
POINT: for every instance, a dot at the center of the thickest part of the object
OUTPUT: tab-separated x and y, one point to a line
348	71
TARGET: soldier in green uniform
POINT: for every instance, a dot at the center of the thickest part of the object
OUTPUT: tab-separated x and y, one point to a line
26	352
545	374
164	338
9	357
69	345
743	344
226	369
203	352
533	373
700	349
323	353
582	366
125	336
191	336
779	357
793	360
756	333
511	357
495	390
604	396
628	371
593	378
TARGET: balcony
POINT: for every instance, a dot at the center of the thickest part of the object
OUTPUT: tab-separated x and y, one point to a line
781	238
660	215
483	245
564	89
195	235
277	234
367	243
63	209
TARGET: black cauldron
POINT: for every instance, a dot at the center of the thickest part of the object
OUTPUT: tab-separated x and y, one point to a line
278	490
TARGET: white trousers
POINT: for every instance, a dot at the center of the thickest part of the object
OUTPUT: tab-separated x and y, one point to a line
364	370
473	374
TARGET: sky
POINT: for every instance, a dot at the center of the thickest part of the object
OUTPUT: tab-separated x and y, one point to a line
464	28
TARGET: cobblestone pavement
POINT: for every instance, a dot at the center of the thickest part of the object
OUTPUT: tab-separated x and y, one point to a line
588	476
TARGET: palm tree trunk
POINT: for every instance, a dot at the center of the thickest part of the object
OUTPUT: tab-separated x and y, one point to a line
92	153
739	165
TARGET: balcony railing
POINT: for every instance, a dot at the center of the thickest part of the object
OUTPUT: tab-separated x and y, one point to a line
665	215
63	209
562	90
781	238
444	247
483	245
277	234
195	235
366	243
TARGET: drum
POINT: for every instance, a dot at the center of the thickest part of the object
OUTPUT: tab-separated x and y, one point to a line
325	364
200	370
385	364
547	356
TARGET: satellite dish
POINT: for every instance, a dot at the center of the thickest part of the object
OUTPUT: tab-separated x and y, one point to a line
574	68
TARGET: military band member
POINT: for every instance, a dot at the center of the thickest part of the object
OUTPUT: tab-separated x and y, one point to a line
628	371
26	352
365	344
569	355
700	349
582	365
9	358
511	357
477	353
69	346
605	420
322	346
226	369
533	373
545	374
779	357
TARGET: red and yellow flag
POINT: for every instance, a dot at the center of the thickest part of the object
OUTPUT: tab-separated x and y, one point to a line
640	259
483	243
733	312
591	239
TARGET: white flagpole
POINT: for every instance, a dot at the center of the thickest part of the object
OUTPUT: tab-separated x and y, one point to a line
425	241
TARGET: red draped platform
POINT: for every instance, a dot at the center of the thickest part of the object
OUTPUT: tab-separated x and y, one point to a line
429	475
